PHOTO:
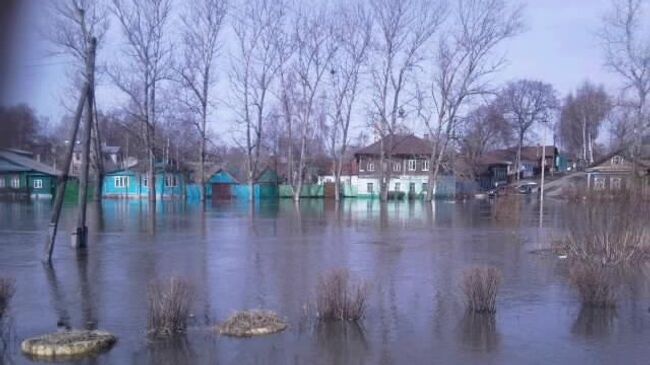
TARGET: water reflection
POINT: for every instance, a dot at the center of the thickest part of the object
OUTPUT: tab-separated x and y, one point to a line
341	342
57	298
479	332
171	351
594	322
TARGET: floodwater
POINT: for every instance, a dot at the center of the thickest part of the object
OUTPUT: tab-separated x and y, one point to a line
412	254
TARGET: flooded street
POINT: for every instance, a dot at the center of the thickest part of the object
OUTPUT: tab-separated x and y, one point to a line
271	257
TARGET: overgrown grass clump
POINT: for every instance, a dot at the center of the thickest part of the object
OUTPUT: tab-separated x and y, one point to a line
481	286
595	285
339	297
7	290
170	302
252	323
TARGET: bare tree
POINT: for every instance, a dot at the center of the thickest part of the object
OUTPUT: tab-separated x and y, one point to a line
581	117
404	29
316	44
525	103
202	24
482	129
627	53
75	23
464	61
356	25
148	63
254	69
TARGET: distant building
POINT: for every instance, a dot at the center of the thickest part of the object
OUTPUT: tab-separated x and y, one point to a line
619	169
132	182
499	166
23	176
112	158
408	168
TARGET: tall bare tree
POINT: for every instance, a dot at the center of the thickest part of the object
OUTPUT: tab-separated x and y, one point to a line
581	117
345	82
464	61
627	53
316	43
404	27
202	24
75	23
525	103
146	65
255	67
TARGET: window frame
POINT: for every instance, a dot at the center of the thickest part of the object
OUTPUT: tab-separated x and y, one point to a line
15	182
599	183
121	182
37	183
397	186
370	166
615	183
425	165
370	188
397	166
3	183
172	178
414	163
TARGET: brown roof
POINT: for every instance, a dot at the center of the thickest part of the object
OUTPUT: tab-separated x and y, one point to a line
407	145
509	155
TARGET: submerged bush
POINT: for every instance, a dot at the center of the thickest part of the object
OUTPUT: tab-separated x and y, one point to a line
480	286
595	284
612	232
340	297
170	302
7	290
252	323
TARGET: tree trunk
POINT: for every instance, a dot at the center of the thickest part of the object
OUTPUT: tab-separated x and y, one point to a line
202	167
518	164
63	178
383	191
99	158
301	163
337	178
584	139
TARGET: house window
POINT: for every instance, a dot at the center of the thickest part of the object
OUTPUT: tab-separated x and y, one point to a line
2	182
397	186
15	181
121	181
412	188
397	166
425	187
170	181
145	182
412	165
617	160
371	166
361	165
425	165
615	183
37	184
599	183
370	188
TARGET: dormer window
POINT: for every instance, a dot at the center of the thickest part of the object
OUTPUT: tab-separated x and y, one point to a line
617	160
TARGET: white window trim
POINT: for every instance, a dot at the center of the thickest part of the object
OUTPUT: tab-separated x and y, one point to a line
615	183
15	181
414	165
425	165
37	183
370	188
121	181
145	181
599	183
2	182
371	166
397	166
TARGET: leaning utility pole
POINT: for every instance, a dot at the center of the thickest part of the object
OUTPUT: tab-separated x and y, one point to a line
63	178
81	233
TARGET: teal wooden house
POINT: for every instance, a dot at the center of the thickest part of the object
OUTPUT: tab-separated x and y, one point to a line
132	183
21	176
223	185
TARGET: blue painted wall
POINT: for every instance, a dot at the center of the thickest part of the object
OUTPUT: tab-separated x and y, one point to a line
135	185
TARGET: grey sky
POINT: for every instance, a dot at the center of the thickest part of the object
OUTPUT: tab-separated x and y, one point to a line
558	47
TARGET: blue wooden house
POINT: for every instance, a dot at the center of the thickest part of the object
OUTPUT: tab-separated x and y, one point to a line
223	185
21	176
132	182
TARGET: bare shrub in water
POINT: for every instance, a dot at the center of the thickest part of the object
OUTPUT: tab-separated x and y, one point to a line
480	286
7	290
340	297
595	284
611	232
170	302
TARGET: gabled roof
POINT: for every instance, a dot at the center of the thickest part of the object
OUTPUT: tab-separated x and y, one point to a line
508	156
19	162
405	145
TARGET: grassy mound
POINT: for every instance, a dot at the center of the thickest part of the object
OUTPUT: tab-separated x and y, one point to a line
252	323
74	343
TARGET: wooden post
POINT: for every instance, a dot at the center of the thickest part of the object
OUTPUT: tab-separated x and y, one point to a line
81	233
98	154
63	178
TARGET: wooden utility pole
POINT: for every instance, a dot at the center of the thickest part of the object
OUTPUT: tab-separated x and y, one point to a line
98	154
63	178
81	234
